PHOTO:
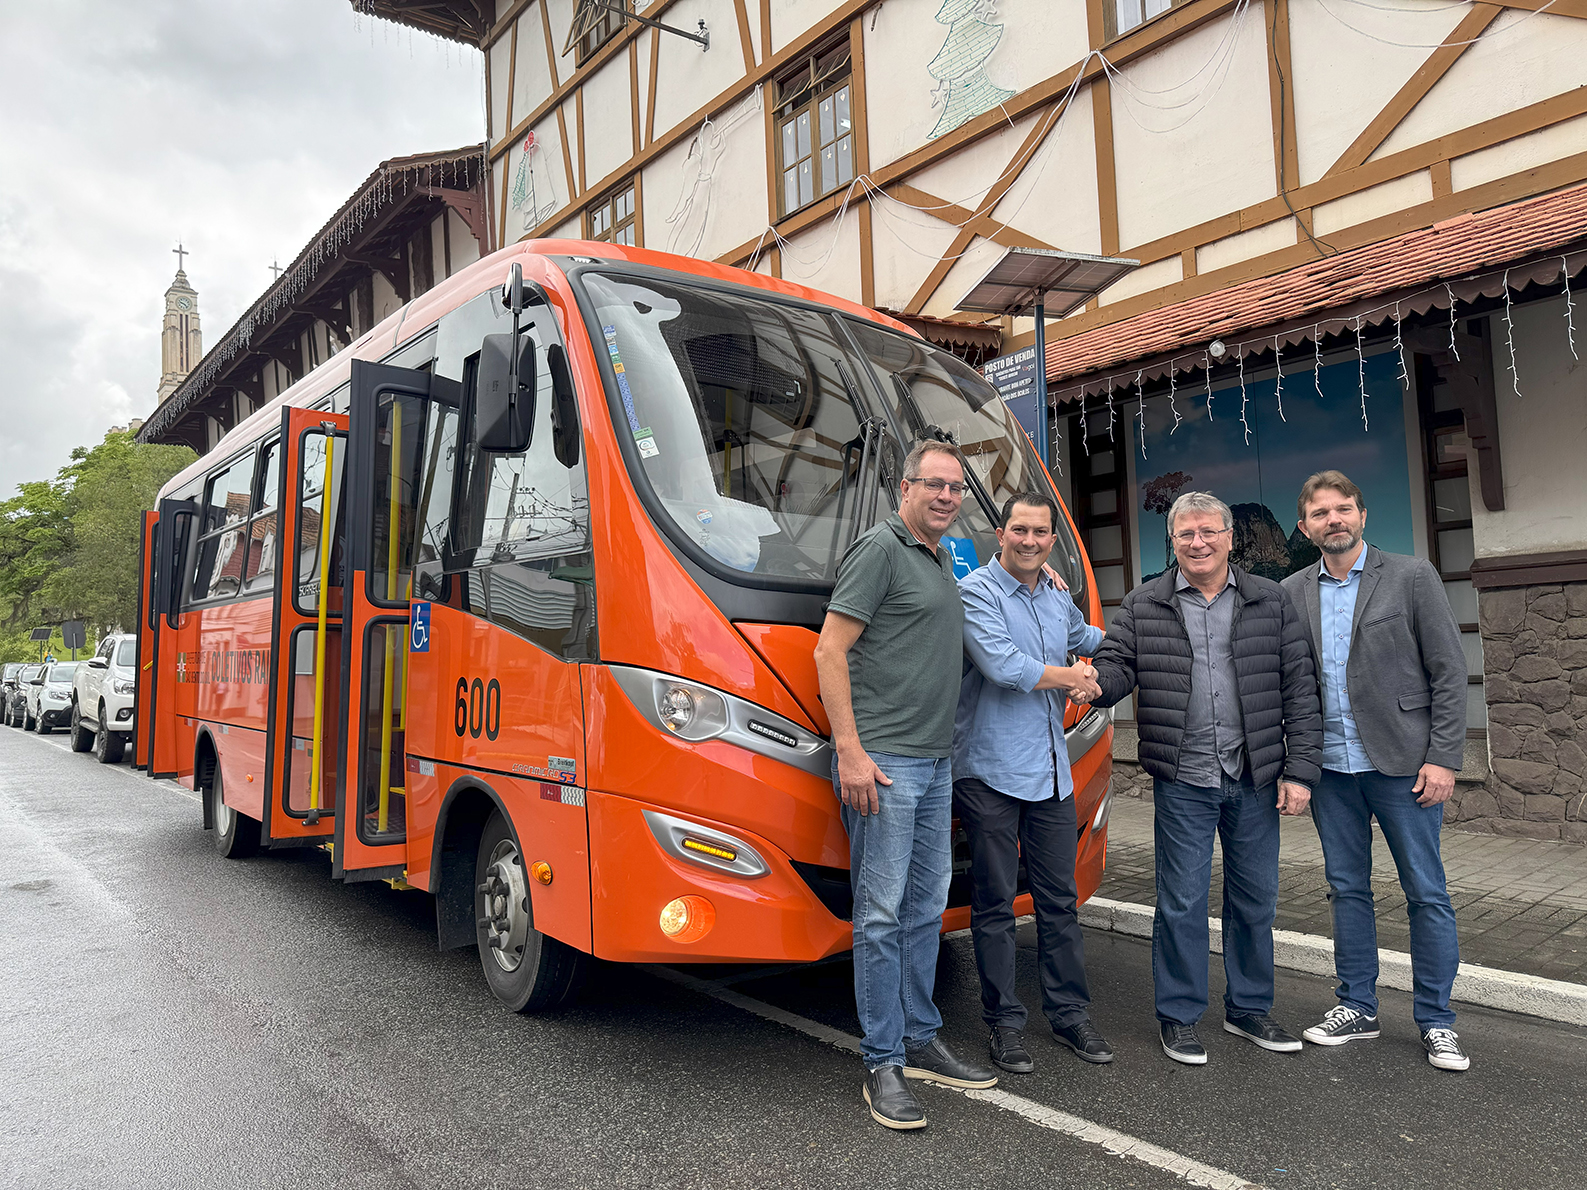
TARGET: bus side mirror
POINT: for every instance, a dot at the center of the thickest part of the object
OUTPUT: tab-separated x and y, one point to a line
564	408
504	395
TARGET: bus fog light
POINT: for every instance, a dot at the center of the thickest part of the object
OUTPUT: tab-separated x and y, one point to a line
687	919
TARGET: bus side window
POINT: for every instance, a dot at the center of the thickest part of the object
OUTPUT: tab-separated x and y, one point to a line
224	513
262	547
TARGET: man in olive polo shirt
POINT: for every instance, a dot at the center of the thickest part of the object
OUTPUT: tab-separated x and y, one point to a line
890	659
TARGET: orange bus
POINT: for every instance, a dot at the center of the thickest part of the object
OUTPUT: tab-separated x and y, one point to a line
515	601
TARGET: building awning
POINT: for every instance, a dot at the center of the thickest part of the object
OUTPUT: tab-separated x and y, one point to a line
1418	271
962	338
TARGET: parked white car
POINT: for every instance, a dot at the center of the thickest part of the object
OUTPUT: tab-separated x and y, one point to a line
102	698
50	696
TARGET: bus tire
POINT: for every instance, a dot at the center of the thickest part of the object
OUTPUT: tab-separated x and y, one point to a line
82	738
236	835
526	970
109	745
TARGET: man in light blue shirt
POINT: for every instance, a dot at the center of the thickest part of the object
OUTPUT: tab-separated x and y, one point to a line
1012	790
1342	750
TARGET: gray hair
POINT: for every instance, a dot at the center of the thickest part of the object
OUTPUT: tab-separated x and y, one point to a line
1199	502
930	446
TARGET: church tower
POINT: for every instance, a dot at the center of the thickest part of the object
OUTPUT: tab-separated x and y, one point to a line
181	345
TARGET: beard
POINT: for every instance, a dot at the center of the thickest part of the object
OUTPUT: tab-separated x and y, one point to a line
1336	546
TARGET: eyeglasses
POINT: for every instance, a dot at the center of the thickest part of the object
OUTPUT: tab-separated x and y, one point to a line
937	486
1188	537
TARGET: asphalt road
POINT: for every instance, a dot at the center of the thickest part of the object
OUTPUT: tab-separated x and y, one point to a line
174	1019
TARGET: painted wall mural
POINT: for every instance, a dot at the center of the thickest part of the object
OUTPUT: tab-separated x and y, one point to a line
1260	481
963	89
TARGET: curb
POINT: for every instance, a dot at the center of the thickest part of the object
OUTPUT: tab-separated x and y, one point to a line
1509	991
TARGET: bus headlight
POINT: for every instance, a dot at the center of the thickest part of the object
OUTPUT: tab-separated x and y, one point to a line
689	711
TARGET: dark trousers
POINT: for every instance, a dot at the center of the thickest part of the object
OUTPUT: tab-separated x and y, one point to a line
1000	830
1245	820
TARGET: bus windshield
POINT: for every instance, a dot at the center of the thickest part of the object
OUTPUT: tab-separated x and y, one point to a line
757	427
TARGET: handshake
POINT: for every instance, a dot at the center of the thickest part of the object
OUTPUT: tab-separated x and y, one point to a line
1079	682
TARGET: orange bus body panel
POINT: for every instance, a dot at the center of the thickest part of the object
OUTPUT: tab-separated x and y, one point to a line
148	646
791	653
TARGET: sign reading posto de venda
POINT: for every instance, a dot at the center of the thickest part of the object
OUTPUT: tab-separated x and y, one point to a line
1014	377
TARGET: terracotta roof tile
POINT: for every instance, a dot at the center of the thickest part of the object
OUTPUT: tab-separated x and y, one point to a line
1453	248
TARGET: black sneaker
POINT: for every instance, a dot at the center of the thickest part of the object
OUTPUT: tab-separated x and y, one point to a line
1341	1024
1181	1043
1086	1040
892	1103
1008	1050
1443	1049
935	1063
1258	1028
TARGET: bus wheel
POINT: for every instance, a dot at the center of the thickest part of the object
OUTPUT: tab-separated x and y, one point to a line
82	738
236	835
108	744
527	971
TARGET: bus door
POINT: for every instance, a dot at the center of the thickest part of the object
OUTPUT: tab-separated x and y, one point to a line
148	648
307	705
390	412
170	733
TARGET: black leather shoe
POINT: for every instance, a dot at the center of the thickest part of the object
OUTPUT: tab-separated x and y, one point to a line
1259	1029
1008	1050
1086	1040
892	1103
935	1063
1181	1043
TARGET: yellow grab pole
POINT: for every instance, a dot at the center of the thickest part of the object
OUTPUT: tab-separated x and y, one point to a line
319	638
393	524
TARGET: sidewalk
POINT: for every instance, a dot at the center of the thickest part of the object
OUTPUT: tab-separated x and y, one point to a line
1520	904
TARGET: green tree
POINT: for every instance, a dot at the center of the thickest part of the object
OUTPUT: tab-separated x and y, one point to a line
69	546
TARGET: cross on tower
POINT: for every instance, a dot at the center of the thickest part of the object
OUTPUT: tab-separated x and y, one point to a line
275	271
181	253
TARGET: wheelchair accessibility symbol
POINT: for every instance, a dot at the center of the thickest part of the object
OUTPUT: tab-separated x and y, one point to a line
419	629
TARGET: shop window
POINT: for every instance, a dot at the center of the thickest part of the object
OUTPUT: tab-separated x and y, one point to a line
603	24
1101	510
615	218
815	121
1120	16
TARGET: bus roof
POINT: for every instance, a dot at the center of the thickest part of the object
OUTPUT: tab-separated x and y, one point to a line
484	274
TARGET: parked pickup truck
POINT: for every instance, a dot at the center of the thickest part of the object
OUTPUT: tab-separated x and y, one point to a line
102	695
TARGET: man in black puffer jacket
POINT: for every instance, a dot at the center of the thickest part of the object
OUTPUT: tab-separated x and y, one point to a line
1231	732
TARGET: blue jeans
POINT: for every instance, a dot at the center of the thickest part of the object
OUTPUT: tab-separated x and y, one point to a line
1245	818
1343	808
900	860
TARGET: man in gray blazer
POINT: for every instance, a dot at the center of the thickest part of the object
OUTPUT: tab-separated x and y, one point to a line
1393	679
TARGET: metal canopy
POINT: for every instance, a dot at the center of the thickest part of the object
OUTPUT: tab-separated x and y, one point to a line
1062	281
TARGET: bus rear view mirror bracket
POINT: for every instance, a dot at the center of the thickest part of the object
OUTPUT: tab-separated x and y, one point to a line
504	394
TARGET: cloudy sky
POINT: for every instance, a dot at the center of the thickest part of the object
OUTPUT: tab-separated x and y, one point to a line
235	127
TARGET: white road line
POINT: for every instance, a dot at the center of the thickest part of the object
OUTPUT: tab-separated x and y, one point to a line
164	783
1119	1144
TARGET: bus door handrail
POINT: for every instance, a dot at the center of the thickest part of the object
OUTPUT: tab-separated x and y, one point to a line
326	527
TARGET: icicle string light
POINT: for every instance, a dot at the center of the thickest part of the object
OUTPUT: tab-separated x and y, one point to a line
1509	336
1085	434
1140	410
1245	425
1399	347
1278	388
1173	407
1451	294
1570	308
1361	374
1316	368
1206	368
1112	415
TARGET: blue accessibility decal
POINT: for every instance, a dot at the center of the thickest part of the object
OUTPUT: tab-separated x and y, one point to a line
964	556
419	629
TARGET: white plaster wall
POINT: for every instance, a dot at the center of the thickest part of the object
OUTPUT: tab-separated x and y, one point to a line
1055	197
386	301
687	77
907	245
561	14
826	258
1372	203
573	229
752	11
1144	280
465	248
1543	437
1524	152
1180	167
980	256
966	176
1522	58
1040	38
790	19
531	80
499	59
1343	75
1259	241
708	195
503	7
438	246
608	129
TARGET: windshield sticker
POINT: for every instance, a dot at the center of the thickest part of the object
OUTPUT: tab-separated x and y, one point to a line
703	516
610	333
647	447
962	551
